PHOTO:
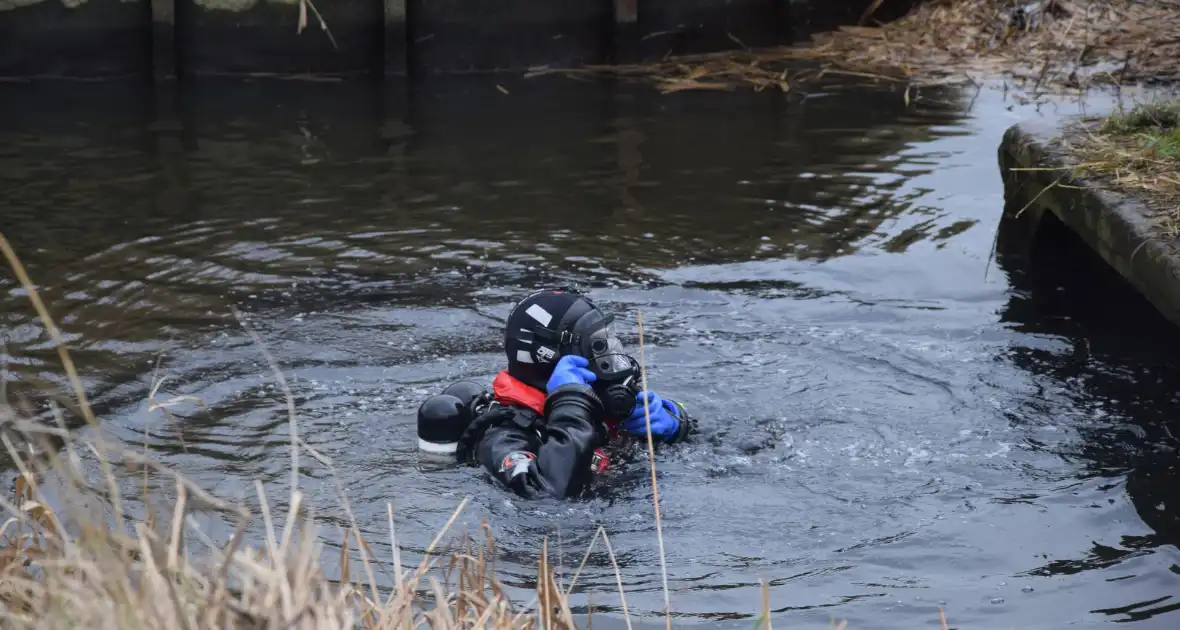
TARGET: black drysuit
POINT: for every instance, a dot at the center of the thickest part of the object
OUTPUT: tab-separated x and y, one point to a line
552	444
531	453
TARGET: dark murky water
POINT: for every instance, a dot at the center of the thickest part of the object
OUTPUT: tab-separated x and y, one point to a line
885	428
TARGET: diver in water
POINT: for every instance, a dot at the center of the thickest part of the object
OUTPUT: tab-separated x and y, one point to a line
568	392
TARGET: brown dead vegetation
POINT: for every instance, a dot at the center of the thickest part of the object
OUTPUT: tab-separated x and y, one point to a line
1038	45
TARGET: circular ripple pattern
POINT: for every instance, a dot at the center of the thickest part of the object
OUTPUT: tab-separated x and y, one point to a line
891	421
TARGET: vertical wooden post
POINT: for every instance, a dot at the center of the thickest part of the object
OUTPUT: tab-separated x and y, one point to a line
784	19
397	41
626	11
630	160
626	35
163	40
629	138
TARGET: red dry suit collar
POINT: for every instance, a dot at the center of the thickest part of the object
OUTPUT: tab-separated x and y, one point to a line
508	390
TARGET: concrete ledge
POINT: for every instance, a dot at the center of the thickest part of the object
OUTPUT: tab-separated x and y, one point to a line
1116	226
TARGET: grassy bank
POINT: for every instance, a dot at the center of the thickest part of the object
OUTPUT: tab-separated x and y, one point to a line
1133	151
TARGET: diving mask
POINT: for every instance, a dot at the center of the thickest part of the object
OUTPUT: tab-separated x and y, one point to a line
619	377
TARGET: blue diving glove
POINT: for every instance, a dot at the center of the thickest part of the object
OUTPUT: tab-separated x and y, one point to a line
665	417
570	369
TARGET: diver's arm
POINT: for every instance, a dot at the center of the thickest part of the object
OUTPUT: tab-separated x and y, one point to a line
508	450
554	458
570	435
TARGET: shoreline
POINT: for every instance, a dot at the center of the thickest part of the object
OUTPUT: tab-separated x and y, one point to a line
1044	181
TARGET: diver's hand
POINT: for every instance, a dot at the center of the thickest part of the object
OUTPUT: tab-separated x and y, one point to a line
665	416
570	369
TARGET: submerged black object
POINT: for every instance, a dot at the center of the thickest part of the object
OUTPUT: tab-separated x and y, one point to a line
473	395
444	417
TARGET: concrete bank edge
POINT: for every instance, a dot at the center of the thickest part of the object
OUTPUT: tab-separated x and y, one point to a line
1115	225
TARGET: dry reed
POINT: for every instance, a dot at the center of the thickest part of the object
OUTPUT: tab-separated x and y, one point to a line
655	488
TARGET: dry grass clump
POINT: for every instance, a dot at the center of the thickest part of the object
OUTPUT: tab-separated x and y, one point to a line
90	567
1133	151
773	68
1062	43
1042	44
1154	118
78	569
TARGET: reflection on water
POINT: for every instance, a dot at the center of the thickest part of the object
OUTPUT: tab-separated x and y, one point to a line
885	429
1123	357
